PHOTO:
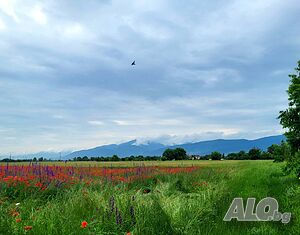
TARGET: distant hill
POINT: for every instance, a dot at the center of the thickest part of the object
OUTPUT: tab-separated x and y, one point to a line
156	149
122	150
45	154
231	145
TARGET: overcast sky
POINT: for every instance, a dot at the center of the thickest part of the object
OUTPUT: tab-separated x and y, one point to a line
204	70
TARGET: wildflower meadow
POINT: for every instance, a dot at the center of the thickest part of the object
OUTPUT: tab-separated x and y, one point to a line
183	197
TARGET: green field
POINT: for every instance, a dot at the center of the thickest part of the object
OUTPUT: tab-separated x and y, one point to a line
182	203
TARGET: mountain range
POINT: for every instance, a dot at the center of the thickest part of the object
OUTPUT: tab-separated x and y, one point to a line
199	148
45	154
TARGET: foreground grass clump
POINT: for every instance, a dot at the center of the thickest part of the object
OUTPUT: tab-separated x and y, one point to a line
165	202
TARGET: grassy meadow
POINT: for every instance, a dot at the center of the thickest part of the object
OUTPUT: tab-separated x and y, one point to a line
168	201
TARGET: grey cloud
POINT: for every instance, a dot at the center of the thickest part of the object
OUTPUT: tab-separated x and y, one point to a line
205	69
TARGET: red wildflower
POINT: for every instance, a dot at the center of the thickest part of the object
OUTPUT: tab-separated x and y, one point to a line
15	214
18	220
84	224
122	179
39	185
128	233
27	228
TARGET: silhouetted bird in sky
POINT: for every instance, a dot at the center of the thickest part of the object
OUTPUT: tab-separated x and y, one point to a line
133	63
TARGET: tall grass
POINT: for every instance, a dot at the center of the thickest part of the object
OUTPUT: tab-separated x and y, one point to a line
183	203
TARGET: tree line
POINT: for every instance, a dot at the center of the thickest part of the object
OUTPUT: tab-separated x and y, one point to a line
277	152
290	121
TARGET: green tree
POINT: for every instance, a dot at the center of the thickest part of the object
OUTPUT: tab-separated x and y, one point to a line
266	155
279	152
85	158
290	120
232	156
115	158
216	156
254	154
242	155
167	155
180	154
174	154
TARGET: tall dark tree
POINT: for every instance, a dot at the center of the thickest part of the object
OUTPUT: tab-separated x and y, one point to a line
290	120
254	154
115	158
216	156
174	154
242	155
279	152
180	154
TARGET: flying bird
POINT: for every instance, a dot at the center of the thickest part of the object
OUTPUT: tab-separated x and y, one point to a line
133	63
